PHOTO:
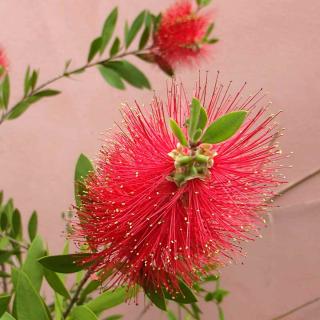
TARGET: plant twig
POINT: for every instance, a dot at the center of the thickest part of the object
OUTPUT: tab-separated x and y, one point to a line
308	303
4	280
75	297
15	241
144	311
67	74
294	184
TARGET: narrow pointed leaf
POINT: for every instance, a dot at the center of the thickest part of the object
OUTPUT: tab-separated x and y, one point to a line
33	225
6	91
115	47
224	127
111	77
203	118
16	224
94	48
194	116
108	299
7	316
177	131
156	297
55	283
129	73
108	29
83	168
134	29
66	263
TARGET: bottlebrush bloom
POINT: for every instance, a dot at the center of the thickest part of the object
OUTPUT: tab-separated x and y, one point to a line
158	210
3	61
181	35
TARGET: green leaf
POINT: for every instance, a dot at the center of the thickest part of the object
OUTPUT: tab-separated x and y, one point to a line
147	57
209	30
144	37
171	315
196	311
186	295
6	91
94	48
194	117
4	303
115	47
130	73
33	225
108	299
220	312
197	135
27	81
66	263
114	317
83	313
33	79
16	224
224	127
108	29
83	168
203	118
213	41
55	283
1	197
6	254
7	316
177	131
203	3
134	29
29	304
111	77
22	106
31	266
157	297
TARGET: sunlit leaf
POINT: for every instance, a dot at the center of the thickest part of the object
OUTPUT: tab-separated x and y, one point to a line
224	127
177	131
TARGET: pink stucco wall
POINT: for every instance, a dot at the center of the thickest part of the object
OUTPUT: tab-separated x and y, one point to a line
273	44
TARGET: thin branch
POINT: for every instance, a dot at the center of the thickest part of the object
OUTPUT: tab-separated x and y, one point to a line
75	297
292	185
144	311
67	74
4	280
15	241
284	315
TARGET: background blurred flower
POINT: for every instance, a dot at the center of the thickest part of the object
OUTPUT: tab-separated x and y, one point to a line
3	61
182	35
140	218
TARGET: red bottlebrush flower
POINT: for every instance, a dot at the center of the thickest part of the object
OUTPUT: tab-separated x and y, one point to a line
152	227
3	61
180	34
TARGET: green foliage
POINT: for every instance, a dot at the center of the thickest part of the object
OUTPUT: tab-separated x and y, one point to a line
108	300
156	296
134	29
203	3
4	303
94	48
83	168
108	29
224	127
111	76
129	73
115	47
66	263
83	313
177	131
31	266
28	303
33	225
185	296
56	283
7	316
